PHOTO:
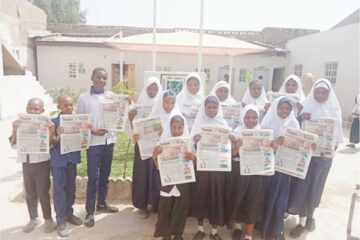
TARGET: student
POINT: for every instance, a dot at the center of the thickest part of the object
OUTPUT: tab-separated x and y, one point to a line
307	82
277	187
140	186
292	85
100	153
174	200
244	194
222	90
63	169
255	94
192	92
36	174
208	198
354	131
306	194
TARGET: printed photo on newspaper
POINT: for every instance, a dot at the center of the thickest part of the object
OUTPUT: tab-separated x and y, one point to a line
113	112
231	114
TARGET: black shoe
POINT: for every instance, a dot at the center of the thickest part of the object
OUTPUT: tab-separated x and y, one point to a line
236	234
106	208
166	238
297	231
89	220
215	237
310	224
178	238
199	235
280	237
74	220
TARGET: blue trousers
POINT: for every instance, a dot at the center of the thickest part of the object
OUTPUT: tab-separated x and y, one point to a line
99	160
64	191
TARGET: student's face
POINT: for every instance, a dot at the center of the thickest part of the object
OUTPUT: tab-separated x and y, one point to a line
222	93
193	85
99	79
291	86
169	104
176	129
321	94
251	119
211	109
66	106
255	90
284	110
152	90
35	108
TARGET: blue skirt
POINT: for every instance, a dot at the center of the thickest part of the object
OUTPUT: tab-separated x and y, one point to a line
305	194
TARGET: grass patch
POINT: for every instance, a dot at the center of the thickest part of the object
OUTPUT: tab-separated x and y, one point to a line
119	158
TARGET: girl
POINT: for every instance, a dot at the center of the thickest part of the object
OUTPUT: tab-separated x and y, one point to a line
149	94
292	85
208	198
192	93
221	90
245	194
279	117
174	200
354	132
255	94
306	194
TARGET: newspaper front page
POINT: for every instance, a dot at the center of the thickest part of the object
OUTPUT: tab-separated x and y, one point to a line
232	114
113	112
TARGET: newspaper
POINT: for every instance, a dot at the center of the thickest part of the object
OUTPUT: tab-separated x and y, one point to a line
326	130
189	112
294	156
256	155
173	168
113	112
76	135
148	130
214	149
294	98
143	110
231	113
32	135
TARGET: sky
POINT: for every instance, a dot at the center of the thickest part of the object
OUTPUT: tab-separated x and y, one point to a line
221	14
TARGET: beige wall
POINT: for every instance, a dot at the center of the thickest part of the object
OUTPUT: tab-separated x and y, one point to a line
339	45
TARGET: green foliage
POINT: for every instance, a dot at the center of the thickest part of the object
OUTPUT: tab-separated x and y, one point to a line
121	88
55	93
248	76
62	11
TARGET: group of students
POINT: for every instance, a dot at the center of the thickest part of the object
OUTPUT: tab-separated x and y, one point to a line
224	198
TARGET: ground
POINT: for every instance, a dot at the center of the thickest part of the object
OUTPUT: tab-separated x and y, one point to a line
331	216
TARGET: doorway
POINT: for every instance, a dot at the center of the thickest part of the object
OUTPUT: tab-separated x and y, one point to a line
128	74
262	74
278	77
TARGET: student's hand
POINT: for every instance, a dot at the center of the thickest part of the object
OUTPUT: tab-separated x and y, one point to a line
15	125
60	130
299	107
197	138
190	156
51	126
129	100
313	146
322	156
132	114
280	140
243	104
90	126
157	150
239	143
266	107
136	137
305	116
232	139
273	145
160	132
99	132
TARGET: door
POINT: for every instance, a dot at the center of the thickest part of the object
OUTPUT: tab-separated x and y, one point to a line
262	74
278	78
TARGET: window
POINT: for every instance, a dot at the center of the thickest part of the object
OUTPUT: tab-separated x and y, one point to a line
331	71
158	68
298	69
206	71
72	70
167	69
81	68
243	73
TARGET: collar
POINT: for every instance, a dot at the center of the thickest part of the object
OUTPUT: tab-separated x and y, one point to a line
93	91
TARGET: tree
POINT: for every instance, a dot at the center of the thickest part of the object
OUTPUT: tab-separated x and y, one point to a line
62	11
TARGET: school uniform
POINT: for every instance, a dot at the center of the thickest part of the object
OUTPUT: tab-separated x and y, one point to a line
63	168
100	152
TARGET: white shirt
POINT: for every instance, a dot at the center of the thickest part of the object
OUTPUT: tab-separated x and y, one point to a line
174	192
90	103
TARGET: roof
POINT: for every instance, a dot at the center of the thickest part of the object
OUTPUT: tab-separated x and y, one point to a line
351	19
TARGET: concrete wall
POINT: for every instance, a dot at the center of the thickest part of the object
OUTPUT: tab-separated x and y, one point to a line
339	45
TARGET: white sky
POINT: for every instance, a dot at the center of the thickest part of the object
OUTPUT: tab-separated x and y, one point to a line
221	14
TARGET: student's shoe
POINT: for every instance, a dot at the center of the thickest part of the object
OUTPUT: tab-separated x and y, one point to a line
106	208
310	224
166	238
144	214
199	235
178	238
236	234
351	145
215	237
280	237
89	220
297	231
63	230
49	225
30	226
74	220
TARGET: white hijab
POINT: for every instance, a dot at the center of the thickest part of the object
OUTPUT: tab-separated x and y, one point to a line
186	97
329	108
260	101
278	124
220	84
243	114
299	90
167	129
144	97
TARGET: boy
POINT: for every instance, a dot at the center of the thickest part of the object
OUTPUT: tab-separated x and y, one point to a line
36	174
64	173
100	153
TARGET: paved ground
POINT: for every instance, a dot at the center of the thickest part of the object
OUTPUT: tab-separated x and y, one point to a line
331	216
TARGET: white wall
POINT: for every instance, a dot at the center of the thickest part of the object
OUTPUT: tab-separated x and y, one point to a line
338	45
